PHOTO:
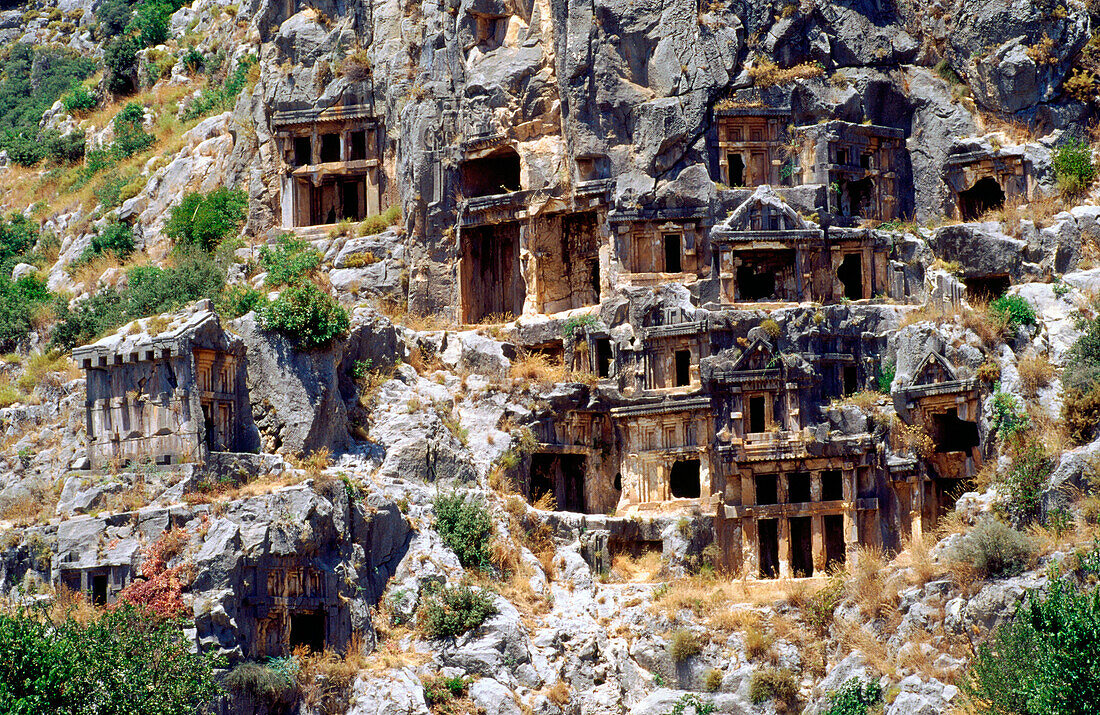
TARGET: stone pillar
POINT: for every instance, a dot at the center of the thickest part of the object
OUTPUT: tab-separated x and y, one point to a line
784	528
817	525
750	538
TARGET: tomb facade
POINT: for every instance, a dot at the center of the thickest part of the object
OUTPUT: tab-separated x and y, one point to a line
859	163
984	178
754	147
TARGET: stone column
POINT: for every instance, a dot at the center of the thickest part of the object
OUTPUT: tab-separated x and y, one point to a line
784	529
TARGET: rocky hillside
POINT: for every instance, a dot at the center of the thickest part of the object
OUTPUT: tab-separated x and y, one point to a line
556	357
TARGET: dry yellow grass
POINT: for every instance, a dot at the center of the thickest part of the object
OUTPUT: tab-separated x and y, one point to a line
1035	372
645	567
537	367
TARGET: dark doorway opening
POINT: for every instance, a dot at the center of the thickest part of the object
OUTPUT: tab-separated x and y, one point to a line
99	590
737	170
798	487
683	479
330	147
672	253
767	489
851	380
865	161
494	174
832	485
358	146
580	261
351	200
985	195
802	549
850	275
767	532
683	368
757	416
492	283
561	476
833	526
986	288
755	286
859	197
603	357
303	151
952	434
307	629
842	157
208	425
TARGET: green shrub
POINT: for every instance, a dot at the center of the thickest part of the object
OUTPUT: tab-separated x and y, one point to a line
578	322
993	548
193	60
18	235
465	527
122	661
113	16
307	315
1014	309
273	687
63	149
712	681
18	302
108	192
439	690
454	610
1008	417
118	238
120	58
238	300
289	261
32	80
854	697
682	645
775	684
130	134
87	320
1026	481
150	21
205	219
884	376
1043	660
1081	413
80	100
220	98
1073	167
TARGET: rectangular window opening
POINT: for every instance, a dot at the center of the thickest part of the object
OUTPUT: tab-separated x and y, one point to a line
683	368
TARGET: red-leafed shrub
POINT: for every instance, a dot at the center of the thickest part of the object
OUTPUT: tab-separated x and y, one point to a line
161	590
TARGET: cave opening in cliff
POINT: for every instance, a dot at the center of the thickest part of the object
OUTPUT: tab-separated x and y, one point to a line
801	543
683	479
736	170
951	434
767	536
683	368
673	252
99	590
498	173
560	476
308	630
985	195
492	285
833	528
604	358
986	288
850	275
763	275
330	147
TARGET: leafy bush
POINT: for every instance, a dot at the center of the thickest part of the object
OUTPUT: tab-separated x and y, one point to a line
87	320
205	219
63	148
122	661
465	527
854	697
1043	659
1014	309
1008	418
682	645
80	100
219	99
307	315
1081	413
1073	167
454	610
120	58
238	300
377	224
18	302
884	376
1026	480
775	684
289	261
439	690
18	235
113	17
130	134
993	548
118	238
150	21
193	60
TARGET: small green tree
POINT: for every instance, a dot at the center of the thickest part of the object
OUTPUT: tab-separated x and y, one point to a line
203	220
454	610
1043	661
120	58
289	261
80	100
117	238
1073	167
150	21
465	526
307	315
130	134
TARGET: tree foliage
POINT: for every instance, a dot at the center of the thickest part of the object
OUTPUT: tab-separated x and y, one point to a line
123	662
465	526
203	220
307	315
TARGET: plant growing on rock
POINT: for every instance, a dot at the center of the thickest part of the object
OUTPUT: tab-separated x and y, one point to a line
454	610
1073	167
774	684
307	315
854	697
1008	417
203	220
1014	310
465	527
289	261
683	645
993	548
